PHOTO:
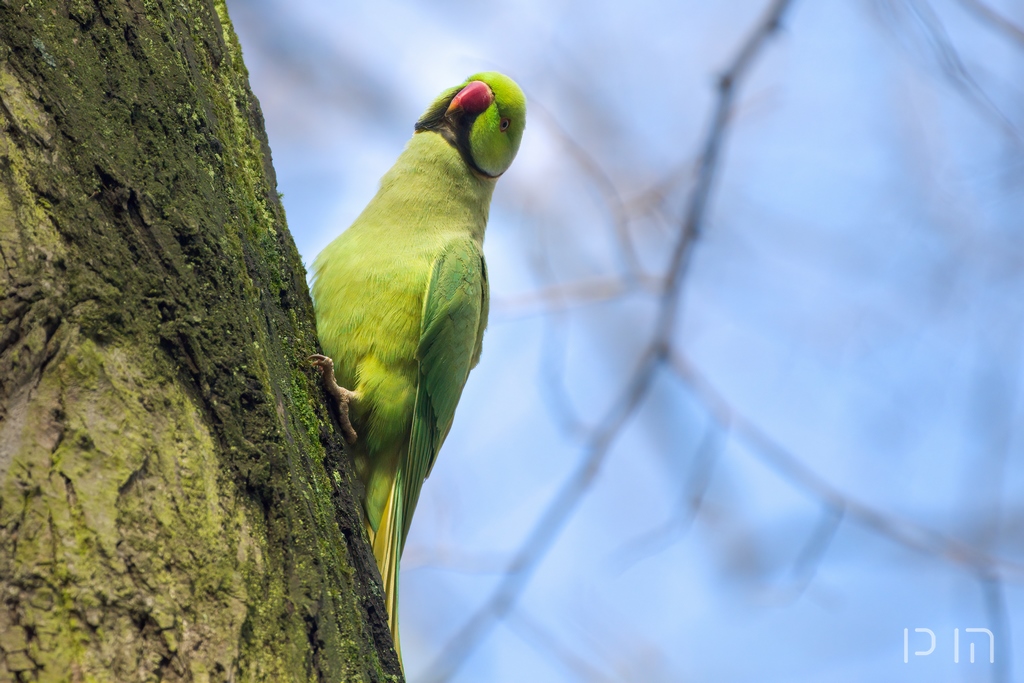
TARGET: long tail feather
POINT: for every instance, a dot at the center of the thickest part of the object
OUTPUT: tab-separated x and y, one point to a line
389	539
387	549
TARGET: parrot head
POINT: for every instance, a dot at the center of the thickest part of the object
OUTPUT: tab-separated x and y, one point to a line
483	119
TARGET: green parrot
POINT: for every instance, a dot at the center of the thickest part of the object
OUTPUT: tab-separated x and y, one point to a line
401	303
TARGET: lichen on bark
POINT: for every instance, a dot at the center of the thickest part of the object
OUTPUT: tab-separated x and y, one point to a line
174	500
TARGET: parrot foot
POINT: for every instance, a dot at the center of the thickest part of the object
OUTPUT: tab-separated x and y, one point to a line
342	395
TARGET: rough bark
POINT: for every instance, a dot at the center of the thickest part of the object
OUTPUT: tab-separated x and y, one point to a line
175	503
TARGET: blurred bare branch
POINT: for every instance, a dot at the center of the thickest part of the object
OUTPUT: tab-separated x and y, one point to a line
552	379
904	532
694	487
956	71
565	503
604	184
999	619
555	349
547	529
807	562
654	197
315	68
996	20
550	645
561	297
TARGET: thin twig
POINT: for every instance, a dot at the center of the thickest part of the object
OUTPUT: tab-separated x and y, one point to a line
905	532
997	20
607	188
655	196
809	559
561	297
555	394
565	503
555	346
999	623
543	640
544	532
956	71
696	484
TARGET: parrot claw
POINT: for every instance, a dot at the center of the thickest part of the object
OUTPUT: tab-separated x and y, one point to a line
342	395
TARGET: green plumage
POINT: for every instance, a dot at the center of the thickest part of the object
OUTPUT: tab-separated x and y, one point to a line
401	300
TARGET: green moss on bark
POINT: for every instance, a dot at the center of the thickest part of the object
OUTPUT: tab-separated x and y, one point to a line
174	501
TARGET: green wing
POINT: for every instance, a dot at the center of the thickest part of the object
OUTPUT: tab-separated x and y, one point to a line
454	317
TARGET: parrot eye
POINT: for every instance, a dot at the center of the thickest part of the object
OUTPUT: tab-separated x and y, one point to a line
504	124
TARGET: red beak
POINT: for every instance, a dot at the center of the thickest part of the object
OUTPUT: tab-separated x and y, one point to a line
473	99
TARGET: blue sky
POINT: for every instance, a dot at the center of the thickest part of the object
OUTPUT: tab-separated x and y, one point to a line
855	296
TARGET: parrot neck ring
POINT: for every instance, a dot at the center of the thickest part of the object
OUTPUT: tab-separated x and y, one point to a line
457	121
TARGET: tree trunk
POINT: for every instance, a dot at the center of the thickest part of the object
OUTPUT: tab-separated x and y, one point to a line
175	503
